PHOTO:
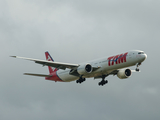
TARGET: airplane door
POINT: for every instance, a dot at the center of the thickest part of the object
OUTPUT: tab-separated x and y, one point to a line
130	55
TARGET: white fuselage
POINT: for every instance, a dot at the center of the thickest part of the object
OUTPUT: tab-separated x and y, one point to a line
106	65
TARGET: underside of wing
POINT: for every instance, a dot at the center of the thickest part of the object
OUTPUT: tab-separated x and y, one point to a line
119	72
58	65
114	72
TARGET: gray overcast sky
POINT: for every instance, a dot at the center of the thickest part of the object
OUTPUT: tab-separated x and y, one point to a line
75	31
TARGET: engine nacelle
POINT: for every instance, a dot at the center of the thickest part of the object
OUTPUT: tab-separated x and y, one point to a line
84	69
124	73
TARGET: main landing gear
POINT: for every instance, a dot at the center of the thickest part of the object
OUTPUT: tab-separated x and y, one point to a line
103	82
137	69
80	80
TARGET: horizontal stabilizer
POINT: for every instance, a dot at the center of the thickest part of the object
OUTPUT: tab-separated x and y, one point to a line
40	75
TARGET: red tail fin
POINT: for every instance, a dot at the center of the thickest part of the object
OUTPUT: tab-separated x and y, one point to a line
49	58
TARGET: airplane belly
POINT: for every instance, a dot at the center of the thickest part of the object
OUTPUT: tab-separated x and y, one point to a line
65	76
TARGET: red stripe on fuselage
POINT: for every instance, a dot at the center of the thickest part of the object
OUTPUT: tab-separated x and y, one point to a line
54	77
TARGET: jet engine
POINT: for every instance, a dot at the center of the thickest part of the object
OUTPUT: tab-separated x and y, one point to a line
124	73
84	69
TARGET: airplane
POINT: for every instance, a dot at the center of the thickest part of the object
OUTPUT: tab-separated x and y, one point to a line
100	68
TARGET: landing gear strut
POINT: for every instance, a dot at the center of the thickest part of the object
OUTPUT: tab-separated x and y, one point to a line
80	80
103	82
137	69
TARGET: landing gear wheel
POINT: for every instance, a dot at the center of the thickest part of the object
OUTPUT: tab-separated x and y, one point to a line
106	81
137	69
80	80
103	82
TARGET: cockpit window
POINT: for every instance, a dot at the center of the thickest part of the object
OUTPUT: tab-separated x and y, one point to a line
141	53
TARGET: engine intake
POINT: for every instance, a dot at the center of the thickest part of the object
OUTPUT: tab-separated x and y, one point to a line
84	69
124	73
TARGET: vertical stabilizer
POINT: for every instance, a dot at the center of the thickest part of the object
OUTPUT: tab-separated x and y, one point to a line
49	58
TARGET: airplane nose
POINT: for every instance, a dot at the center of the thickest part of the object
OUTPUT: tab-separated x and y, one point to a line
141	56
144	57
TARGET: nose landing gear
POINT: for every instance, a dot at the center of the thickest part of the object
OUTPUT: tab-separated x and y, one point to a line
137	69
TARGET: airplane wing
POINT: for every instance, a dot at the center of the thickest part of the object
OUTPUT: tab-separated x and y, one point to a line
114	72
58	65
